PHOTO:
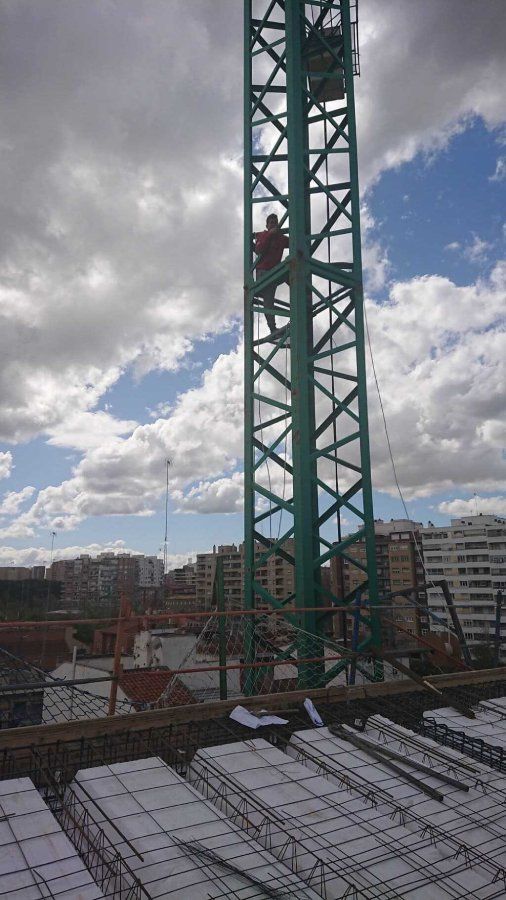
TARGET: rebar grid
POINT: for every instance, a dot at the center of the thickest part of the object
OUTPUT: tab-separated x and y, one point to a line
44	871
483	737
177	743
176	836
353	830
370	804
107	867
474	828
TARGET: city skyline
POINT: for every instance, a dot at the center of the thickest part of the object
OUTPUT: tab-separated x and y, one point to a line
468	553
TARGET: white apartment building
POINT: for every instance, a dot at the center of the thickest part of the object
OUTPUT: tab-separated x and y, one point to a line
471	555
150	571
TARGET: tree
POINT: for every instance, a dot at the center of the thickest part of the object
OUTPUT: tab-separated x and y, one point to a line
28	599
484	655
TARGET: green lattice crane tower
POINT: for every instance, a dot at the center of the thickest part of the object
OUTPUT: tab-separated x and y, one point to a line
307	458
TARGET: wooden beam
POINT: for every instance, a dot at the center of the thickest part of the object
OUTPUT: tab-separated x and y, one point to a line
88	729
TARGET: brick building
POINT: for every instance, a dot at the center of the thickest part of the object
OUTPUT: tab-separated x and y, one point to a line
399	567
181	590
102	581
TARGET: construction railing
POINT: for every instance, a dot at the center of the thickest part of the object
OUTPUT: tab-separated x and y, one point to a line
207	658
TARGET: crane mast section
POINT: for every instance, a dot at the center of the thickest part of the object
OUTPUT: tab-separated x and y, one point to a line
307	458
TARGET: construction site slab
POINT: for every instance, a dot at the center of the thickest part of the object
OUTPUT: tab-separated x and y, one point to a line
176	842
489	725
354	838
471	811
37	860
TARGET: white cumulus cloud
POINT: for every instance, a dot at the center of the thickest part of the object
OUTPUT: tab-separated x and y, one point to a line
40	556
121	166
225	495
13	500
85	430
495	506
440	356
6	464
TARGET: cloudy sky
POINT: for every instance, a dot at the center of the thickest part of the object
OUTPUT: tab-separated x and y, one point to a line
121	268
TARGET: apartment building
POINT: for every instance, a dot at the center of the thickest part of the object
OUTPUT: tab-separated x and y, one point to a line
232	557
181	589
470	554
149	571
62	570
399	567
21	573
277	575
126	578
182	579
15	573
104	572
104	579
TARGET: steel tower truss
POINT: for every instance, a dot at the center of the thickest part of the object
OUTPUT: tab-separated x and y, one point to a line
307	461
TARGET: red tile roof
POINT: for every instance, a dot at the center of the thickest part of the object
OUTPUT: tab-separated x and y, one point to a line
145	686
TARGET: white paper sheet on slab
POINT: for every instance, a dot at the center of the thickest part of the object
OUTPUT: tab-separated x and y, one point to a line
313	713
241	715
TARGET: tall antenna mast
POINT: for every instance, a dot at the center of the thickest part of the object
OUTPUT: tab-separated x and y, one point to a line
53	535
48	598
168	463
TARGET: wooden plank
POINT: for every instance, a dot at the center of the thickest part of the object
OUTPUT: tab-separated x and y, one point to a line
88	729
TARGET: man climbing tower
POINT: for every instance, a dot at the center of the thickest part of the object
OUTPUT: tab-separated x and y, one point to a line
269	244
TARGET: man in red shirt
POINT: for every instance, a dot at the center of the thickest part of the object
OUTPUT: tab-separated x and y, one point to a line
270	245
